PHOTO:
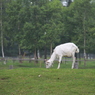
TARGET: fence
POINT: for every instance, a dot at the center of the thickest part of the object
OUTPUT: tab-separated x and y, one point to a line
80	58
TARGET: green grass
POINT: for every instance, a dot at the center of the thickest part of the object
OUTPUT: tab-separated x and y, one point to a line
24	79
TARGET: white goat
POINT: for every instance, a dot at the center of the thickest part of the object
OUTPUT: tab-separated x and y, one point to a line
67	49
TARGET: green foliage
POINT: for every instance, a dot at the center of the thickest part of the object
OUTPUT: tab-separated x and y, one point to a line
77	20
35	24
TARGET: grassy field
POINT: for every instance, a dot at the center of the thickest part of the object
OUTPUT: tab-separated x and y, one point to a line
33	79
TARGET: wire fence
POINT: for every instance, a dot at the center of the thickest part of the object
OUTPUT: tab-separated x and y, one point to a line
79	57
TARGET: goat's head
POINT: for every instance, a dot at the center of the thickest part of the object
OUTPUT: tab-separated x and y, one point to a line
48	64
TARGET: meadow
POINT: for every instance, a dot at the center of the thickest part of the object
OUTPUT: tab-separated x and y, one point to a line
34	79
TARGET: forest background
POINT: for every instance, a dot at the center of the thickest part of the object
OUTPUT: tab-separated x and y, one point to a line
27	26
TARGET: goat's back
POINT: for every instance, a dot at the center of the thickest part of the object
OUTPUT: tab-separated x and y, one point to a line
66	49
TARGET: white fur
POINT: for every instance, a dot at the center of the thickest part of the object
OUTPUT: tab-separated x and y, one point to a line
67	49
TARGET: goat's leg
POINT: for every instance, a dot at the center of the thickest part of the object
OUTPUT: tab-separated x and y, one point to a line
73	62
60	58
58	65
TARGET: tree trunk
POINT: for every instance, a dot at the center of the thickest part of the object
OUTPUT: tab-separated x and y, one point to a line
84	30
51	49
45	53
38	53
2	45
36	56
20	57
19	50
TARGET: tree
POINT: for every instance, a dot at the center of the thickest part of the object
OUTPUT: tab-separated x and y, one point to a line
14	21
52	26
43	25
34	24
2	32
78	19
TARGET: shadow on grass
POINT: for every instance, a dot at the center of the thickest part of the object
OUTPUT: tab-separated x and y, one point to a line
4	78
28	66
87	67
23	66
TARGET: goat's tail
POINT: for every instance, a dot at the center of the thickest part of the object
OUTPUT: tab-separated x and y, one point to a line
77	50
